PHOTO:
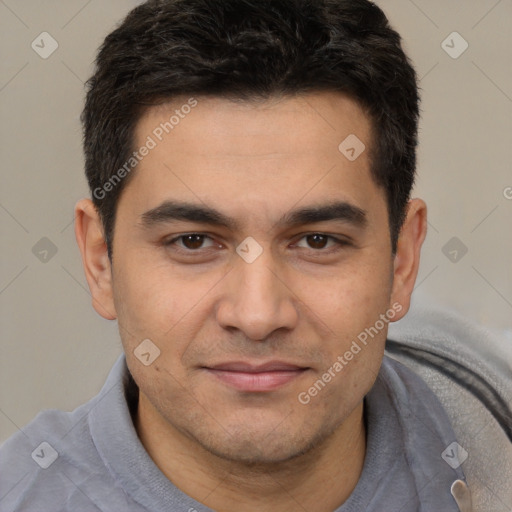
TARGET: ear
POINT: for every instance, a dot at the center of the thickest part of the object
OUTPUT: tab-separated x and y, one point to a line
407	257
92	245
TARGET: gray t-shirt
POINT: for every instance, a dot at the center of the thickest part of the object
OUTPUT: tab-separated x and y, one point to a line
91	459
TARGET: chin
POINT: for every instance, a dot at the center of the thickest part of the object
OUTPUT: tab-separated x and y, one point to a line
262	447
257	454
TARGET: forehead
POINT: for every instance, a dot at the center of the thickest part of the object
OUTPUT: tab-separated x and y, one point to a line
313	122
255	156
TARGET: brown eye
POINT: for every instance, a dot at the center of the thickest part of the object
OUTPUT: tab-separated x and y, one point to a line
317	241
193	241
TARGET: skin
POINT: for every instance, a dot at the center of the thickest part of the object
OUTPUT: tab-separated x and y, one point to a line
303	300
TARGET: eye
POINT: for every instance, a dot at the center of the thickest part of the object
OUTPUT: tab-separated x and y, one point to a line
319	241
191	241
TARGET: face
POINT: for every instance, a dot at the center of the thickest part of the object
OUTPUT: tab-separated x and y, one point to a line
252	253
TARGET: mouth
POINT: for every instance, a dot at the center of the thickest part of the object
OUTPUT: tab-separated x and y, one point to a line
248	377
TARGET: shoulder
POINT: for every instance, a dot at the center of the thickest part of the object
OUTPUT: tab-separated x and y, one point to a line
31	461
53	463
449	351
470	371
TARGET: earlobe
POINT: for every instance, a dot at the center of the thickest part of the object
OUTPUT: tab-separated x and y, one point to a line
95	260
407	257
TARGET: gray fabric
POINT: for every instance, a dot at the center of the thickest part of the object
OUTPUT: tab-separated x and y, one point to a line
470	370
101	464
407	433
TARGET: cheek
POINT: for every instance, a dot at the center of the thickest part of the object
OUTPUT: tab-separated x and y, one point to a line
154	301
351	308
350	298
142	292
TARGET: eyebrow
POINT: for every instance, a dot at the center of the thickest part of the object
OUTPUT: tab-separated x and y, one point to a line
170	211
340	211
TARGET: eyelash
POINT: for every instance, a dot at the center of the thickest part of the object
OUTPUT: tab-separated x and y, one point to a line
173	241
338	243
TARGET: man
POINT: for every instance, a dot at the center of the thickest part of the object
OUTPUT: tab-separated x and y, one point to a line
251	230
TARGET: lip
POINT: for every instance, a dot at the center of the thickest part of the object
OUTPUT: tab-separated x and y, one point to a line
250	377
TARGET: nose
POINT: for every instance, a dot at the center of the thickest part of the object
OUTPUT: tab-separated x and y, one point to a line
257	300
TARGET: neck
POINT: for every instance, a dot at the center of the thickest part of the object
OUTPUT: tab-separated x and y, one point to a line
321	479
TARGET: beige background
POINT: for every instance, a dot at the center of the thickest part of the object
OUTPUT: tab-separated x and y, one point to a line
55	350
